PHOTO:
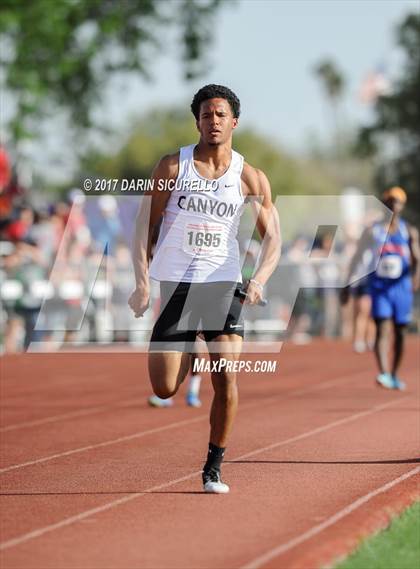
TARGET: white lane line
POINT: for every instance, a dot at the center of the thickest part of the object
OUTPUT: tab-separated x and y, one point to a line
269	400
98	409
64	416
114	503
83	515
104	444
280	549
321	429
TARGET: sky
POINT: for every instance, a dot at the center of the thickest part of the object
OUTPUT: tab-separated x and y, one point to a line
265	51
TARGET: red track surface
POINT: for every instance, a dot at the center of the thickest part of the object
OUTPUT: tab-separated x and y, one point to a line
91	477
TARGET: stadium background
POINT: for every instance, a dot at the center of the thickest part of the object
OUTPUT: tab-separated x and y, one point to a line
66	123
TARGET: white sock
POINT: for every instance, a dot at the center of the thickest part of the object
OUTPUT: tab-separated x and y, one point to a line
194	385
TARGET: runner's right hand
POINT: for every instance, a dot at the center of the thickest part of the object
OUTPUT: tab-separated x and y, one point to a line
139	301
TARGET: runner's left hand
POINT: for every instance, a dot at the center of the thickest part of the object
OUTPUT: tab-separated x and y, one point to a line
254	293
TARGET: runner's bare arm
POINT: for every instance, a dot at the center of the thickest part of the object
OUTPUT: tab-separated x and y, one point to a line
149	214
257	185
415	256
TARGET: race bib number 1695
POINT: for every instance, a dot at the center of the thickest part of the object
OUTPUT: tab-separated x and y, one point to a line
204	239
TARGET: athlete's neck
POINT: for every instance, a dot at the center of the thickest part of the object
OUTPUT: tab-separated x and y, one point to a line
217	156
395	221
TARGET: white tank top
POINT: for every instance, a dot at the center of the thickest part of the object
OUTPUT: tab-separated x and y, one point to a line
197	239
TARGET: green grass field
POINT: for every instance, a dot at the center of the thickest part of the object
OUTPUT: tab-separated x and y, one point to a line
397	547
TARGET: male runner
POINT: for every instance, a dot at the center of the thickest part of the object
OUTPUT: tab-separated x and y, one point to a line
392	284
197	260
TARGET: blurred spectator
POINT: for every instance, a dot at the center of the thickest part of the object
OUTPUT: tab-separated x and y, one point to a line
5	169
58	223
122	285
11	196
328	283
302	275
106	226
60	214
42	232
12	289
73	290
23	266
363	325
20	224
77	226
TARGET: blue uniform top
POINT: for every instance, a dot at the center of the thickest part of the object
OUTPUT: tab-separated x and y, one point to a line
394	255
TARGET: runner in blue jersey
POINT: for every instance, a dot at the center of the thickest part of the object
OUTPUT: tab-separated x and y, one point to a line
391	284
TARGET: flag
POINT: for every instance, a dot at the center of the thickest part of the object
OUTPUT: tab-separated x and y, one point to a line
374	85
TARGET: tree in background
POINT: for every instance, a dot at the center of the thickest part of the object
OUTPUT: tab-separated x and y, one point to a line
397	123
59	54
332	81
337	155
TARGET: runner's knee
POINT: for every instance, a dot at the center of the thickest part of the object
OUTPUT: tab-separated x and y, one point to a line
382	328
225	386
167	371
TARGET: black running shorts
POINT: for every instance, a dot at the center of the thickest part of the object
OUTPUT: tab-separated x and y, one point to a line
188	308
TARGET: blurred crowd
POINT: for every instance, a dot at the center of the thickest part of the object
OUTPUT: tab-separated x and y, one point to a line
54	257
78	269
66	275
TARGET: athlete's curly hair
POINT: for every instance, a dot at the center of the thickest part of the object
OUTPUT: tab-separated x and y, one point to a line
212	92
